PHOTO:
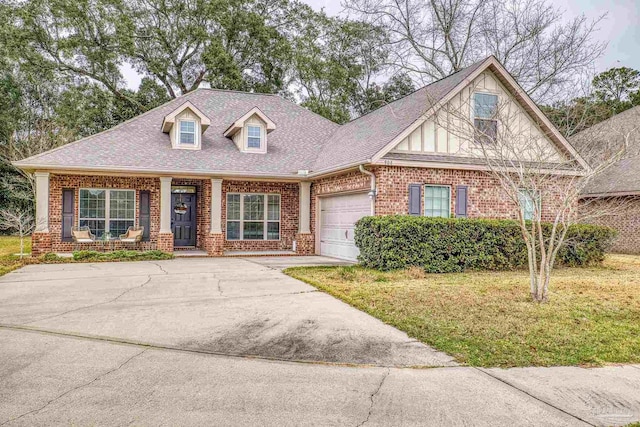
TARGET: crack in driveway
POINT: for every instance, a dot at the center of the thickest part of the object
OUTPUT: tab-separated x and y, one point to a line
35	411
92	305
373	395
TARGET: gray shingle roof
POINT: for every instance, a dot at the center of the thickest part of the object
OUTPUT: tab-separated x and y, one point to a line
363	137
624	176
302	139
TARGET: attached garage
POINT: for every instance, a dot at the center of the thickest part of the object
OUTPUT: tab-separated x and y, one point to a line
338	216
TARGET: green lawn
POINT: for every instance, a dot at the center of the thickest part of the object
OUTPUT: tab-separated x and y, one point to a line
9	246
487	318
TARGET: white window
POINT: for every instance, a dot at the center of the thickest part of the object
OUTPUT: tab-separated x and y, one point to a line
254	136
107	211
253	216
485	106
187	132
437	201
530	204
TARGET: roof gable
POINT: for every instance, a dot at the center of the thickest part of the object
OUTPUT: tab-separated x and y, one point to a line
170	119
239	124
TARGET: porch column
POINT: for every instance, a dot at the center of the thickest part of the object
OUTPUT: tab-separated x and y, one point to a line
42	202
216	205
165	204
304	221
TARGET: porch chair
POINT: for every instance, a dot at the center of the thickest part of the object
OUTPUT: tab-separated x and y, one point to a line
133	235
82	235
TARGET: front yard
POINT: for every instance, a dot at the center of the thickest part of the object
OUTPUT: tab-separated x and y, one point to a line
487	318
9	246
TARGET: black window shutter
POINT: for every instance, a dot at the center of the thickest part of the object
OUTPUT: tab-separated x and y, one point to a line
145	213
415	200
461	201
68	196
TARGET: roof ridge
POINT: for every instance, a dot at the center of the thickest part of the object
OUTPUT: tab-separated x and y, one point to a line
119	125
418	89
236	91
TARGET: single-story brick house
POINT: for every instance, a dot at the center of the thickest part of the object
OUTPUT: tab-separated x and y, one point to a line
231	172
613	197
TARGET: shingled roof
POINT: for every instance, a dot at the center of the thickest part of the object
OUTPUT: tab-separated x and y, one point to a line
623	177
302	141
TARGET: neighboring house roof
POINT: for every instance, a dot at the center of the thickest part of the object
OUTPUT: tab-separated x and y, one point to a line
623	177
302	140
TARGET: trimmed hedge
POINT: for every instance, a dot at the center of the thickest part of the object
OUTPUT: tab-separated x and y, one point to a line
442	245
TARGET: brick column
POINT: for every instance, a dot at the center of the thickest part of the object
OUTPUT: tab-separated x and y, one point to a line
165	236
304	239
214	242
41	238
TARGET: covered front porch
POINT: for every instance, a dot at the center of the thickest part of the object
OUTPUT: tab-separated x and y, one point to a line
181	215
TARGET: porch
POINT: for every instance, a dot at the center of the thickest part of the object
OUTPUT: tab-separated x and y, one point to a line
184	216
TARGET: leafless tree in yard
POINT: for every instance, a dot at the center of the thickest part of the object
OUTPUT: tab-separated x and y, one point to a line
432	39
43	136
538	174
21	222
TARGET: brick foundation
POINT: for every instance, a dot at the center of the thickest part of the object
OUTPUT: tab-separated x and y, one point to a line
165	242
214	244
40	243
305	244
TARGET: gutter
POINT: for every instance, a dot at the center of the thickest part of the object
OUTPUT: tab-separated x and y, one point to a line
373	192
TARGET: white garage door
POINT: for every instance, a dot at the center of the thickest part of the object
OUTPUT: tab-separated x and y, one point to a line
338	216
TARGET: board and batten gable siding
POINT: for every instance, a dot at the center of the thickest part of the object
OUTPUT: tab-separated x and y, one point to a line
447	133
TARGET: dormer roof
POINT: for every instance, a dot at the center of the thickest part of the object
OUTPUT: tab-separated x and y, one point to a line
170	119
239	123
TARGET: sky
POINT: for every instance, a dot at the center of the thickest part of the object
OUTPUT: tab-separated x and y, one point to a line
620	29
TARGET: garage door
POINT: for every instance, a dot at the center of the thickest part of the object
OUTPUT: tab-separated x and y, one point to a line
338	216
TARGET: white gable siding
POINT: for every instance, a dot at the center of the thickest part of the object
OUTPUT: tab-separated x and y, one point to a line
448	133
187	114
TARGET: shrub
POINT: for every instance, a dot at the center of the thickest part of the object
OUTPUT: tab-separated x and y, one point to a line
441	245
121	255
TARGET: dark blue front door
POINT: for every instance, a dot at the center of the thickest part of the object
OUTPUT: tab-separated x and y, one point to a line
183	225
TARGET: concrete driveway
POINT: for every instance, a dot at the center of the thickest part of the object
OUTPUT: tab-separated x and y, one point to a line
235	342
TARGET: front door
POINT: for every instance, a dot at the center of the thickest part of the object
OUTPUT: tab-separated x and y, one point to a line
183	219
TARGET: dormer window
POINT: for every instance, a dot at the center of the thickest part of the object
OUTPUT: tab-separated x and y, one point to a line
250	131
185	126
187	132
254	136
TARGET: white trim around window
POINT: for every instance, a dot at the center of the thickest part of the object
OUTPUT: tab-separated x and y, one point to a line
480	122
249	135
95	209
253	216
189	131
434	204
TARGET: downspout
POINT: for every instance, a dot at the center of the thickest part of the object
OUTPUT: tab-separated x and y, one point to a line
373	191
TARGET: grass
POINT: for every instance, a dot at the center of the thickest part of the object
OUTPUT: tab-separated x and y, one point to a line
487	318
10	245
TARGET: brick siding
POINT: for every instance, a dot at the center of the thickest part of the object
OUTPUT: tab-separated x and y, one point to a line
485	200
622	217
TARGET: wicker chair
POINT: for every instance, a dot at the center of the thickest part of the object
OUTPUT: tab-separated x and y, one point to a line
82	235
133	235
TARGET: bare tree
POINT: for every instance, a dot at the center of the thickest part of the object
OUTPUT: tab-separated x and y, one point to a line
539	175
21	222
432	39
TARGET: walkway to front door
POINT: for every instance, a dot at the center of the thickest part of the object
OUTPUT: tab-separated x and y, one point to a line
183	219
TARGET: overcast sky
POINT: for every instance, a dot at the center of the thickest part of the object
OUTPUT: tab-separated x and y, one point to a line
620	29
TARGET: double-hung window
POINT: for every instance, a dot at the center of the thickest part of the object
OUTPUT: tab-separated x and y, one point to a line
530	204
437	201
107	211
254	136
485	106
187	132
253	216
